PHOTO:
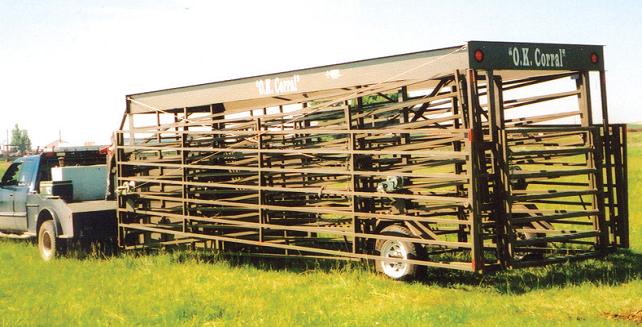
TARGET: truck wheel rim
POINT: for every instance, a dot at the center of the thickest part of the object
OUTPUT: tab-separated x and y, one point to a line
394	250
46	244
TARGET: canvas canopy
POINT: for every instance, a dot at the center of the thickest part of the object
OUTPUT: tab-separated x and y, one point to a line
424	68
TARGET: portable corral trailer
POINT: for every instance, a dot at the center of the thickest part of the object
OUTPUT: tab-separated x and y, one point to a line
474	157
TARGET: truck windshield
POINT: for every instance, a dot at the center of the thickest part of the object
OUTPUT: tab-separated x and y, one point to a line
11	175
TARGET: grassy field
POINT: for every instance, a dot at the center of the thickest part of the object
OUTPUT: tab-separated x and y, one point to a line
190	289
3	166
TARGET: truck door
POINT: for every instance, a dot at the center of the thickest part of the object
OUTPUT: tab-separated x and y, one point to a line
26	184
7	192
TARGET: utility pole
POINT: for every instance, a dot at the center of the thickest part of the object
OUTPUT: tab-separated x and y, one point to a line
6	148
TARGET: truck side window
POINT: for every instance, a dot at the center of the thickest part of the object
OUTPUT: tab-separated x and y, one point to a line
11	175
26	173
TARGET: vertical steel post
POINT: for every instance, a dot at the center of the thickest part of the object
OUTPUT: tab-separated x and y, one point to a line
352	163
594	158
475	138
608	155
503	228
623	191
184	171
259	155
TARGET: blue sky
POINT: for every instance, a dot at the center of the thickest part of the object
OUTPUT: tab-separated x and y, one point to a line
67	65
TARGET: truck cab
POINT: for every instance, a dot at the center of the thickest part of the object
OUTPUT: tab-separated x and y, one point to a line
18	181
32	203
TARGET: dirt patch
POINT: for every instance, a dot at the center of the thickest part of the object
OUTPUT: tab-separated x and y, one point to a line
634	316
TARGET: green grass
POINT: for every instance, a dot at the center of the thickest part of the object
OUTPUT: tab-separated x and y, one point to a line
182	289
186	288
3	166
635	126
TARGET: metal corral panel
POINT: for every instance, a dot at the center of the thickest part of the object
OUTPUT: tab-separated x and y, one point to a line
439	158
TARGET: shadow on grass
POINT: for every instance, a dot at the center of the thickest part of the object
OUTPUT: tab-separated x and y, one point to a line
290	264
617	268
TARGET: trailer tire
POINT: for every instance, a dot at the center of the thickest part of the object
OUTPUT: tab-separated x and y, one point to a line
399	249
536	254
49	246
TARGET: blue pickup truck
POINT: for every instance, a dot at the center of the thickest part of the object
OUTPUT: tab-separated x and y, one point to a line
35	203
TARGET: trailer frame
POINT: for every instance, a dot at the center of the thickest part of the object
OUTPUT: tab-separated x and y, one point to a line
320	162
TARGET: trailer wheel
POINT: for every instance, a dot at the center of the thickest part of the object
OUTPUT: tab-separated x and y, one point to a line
48	244
398	249
532	255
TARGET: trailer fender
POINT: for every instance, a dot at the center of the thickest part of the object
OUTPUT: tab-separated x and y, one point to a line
380	225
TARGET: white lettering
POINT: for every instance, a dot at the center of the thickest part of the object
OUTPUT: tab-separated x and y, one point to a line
525	61
562	54
268	86
278	85
539	59
516	57
333	74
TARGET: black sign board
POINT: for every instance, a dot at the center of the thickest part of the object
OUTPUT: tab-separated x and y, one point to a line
534	56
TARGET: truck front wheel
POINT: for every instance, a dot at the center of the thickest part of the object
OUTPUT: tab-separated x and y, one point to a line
47	242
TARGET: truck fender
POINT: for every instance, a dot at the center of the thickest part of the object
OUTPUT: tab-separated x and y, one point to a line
48	214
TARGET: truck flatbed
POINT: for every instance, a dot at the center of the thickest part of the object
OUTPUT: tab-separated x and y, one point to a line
92	206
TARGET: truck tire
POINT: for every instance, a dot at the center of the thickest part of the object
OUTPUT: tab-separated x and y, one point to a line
398	249
48	244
